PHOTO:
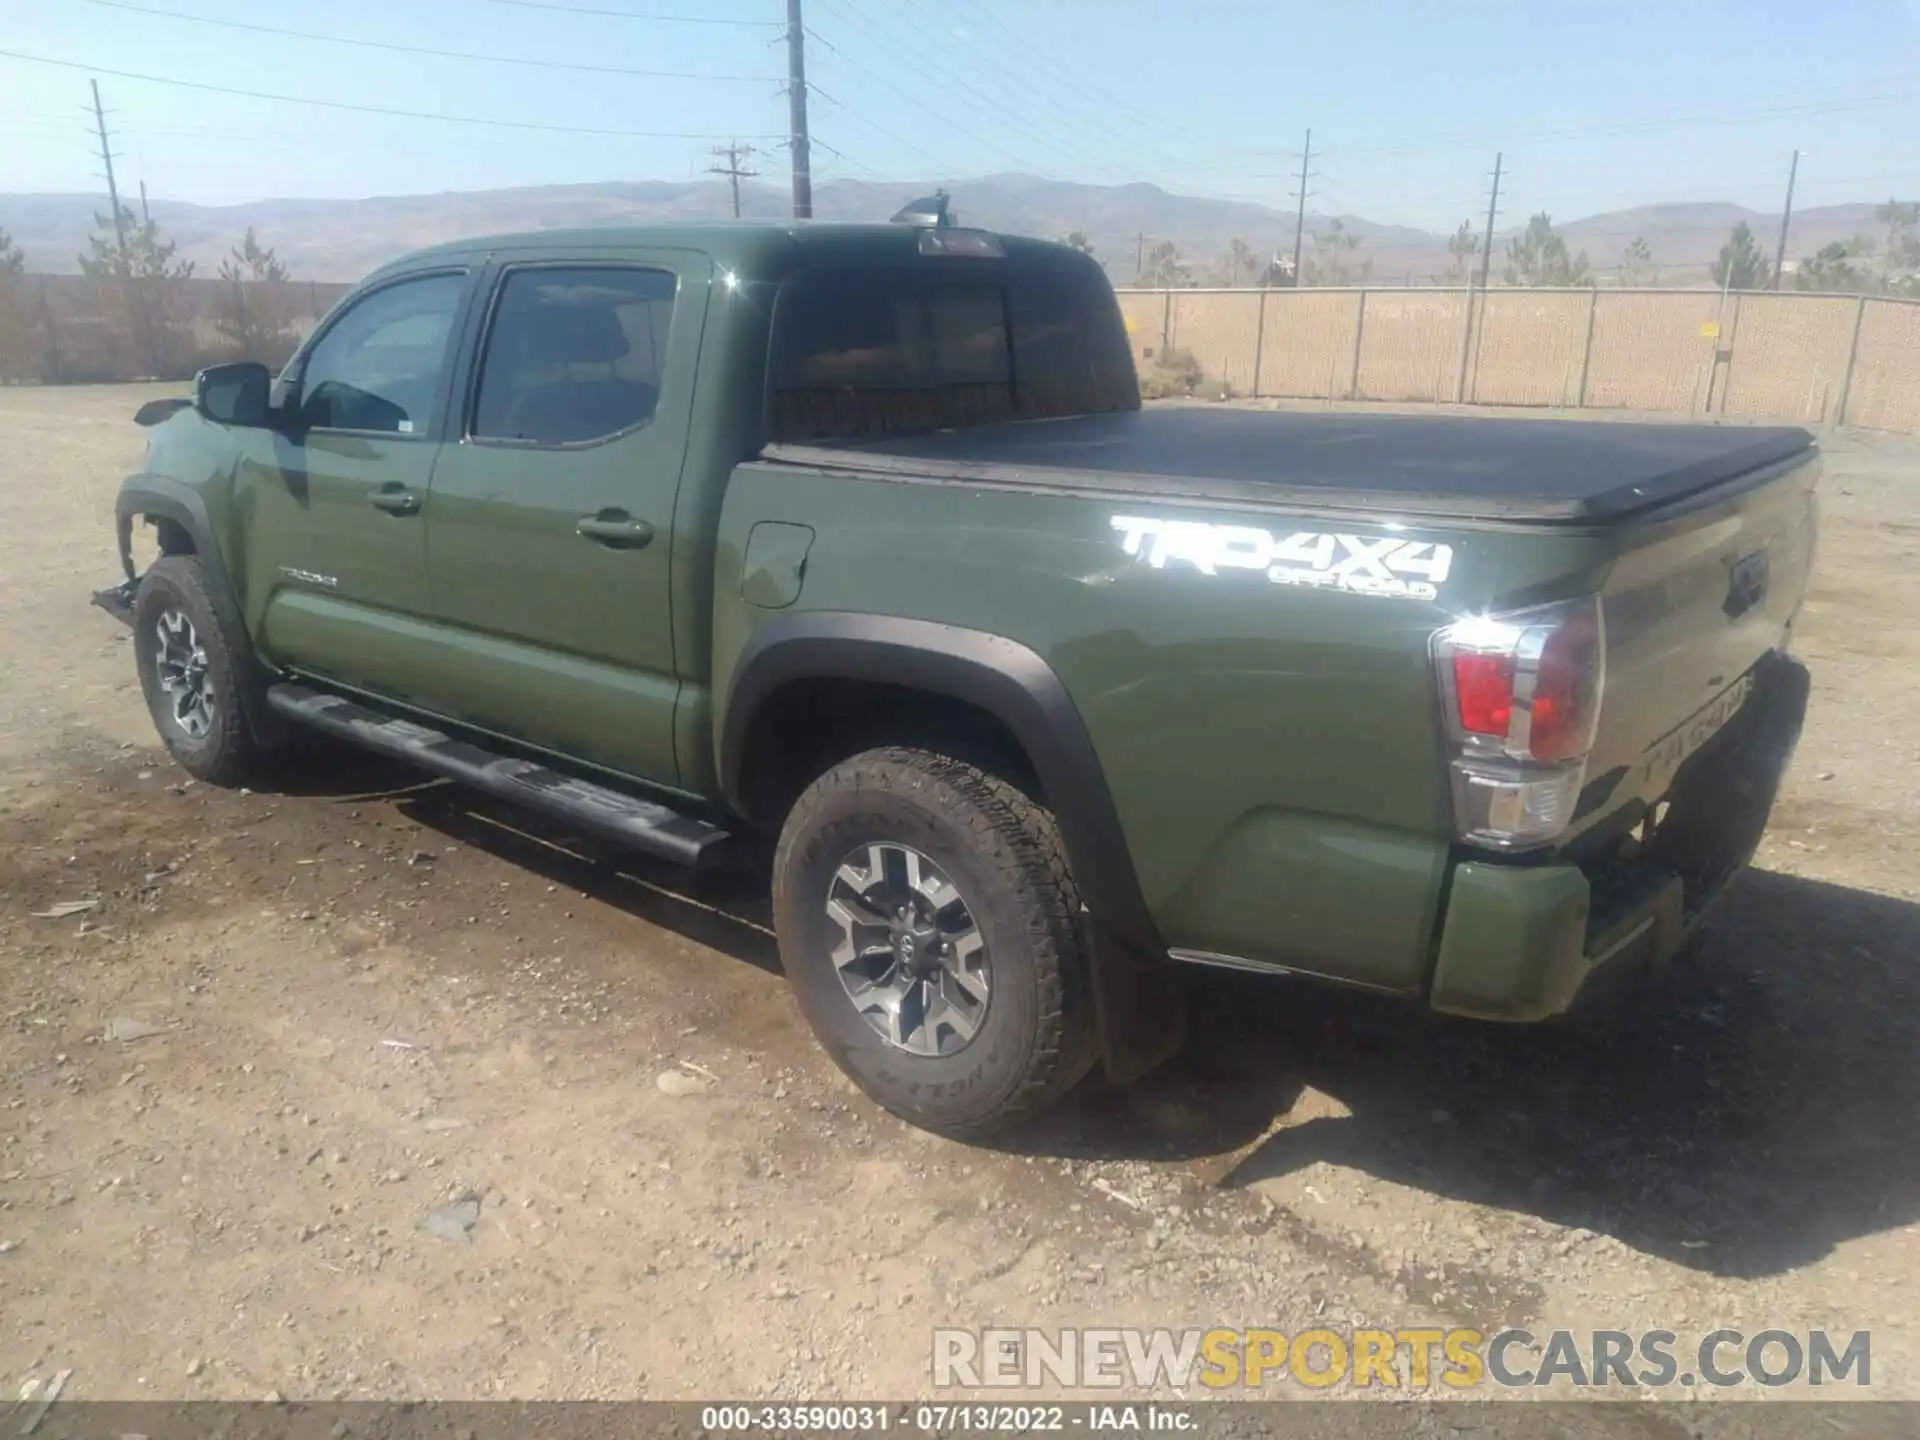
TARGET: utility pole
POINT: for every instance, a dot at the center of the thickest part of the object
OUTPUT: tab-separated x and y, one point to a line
1493	208
797	113
113	189
137	312
1786	219
1300	215
1139	256
735	153
1486	267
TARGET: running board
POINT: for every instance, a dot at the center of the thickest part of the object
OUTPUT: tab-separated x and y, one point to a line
643	824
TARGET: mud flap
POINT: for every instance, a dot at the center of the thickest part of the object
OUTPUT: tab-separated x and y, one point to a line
117	600
1139	1006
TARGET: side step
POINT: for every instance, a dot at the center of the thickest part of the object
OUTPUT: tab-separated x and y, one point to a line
640	823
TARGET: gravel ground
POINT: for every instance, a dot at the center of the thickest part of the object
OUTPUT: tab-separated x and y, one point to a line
371	998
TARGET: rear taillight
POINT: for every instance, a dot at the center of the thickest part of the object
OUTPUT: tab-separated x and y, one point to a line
1522	697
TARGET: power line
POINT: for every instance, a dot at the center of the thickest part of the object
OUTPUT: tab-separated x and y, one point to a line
1650	125
1724	194
877	32
634	15
398	49
305	142
818	144
1572	227
1639	127
1129	111
875	126
993	73
919	101
1109	102
375	109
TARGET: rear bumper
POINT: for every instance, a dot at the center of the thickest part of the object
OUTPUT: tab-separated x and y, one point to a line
1521	942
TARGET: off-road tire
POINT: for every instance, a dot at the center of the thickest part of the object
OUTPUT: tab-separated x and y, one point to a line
1004	854
228	752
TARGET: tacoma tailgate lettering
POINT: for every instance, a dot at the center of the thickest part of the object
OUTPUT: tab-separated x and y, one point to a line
1384	565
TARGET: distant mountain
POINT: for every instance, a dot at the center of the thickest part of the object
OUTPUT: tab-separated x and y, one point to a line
1686	238
343	239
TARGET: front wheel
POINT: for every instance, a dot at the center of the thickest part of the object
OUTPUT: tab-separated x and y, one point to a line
930	928
191	670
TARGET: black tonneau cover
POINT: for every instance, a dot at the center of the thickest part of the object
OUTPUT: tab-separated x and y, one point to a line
1493	469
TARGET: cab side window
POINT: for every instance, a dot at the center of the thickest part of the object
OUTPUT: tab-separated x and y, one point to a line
379	367
574	355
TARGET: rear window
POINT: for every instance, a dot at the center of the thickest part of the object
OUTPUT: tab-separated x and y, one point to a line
859	353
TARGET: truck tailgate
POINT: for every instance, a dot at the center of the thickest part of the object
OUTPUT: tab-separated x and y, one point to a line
1694	601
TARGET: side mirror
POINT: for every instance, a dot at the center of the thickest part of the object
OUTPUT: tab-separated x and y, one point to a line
234	394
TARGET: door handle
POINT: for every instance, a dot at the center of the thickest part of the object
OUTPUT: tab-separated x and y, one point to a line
395	500
615	528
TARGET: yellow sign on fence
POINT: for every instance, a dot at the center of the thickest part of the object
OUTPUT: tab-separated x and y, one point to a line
1709	329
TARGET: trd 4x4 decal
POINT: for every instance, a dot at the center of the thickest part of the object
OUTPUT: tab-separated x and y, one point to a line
1386	565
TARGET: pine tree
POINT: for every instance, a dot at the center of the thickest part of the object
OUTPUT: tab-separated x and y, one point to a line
1539	256
1742	265
148	277
256	323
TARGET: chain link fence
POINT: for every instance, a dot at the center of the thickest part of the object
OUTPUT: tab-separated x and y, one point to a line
1804	359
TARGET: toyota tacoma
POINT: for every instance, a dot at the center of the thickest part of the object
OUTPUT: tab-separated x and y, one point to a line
849	550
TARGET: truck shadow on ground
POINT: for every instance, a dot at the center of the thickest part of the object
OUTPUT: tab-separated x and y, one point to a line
1753	1112
1757	1110
727	910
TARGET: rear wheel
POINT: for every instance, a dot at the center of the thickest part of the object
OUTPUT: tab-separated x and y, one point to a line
191	670
929	926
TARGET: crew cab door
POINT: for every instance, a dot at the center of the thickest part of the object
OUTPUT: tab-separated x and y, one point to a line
334	497
550	526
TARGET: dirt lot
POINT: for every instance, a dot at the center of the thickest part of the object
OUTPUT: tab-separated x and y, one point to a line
375	995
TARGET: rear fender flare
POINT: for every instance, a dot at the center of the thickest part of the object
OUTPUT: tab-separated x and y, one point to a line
1137	999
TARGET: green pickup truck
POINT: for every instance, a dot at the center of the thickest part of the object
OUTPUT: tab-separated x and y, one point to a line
851	546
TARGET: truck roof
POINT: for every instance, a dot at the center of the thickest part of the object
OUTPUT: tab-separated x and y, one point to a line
745	246
1464	467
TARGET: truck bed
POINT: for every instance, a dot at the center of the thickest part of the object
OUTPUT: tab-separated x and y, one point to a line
1570	472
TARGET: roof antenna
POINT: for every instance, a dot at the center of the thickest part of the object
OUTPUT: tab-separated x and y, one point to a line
931	210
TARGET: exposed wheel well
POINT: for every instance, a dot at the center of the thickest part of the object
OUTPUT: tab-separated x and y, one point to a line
806	727
171	535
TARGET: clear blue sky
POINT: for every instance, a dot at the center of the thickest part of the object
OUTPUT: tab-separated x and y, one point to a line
1598	106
